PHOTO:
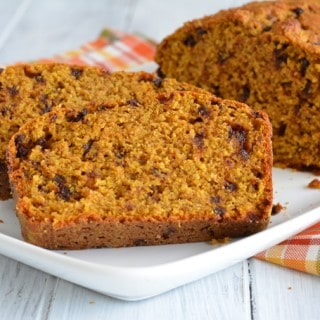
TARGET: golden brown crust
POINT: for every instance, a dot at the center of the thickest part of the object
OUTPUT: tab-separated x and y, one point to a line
180	167
92	234
266	54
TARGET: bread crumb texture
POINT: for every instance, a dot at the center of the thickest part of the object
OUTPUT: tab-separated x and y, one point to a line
27	91
266	54
166	168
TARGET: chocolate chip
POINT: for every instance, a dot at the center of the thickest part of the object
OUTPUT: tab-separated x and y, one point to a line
4	111
230	186
255	186
1	70
47	105
256	114
297	108
215	199
304	64
87	146
190	41
239	134
34	75
139	242
40	79
203	112
196	120
120	152
245	93
43	141
306	89
53	118
287	87
22	150
244	154
78	117
63	192
133	102
280	56
169	231
201	32
282	129
298	12
258	174
219	210
13	91
199	140
266	28
157	82
254	217
77	73
59	179
160	73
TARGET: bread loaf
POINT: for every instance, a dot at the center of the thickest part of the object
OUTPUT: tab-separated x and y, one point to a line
266	54
169	168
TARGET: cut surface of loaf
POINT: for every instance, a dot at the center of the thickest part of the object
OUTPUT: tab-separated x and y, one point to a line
266	54
27	91
173	168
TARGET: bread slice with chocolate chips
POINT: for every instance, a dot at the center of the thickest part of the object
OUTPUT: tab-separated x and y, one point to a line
266	54
170	168
27	91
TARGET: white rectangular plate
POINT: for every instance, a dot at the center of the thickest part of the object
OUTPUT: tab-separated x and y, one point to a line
142	272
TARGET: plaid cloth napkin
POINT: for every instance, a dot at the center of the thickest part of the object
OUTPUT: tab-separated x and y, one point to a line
115	50
300	252
112	50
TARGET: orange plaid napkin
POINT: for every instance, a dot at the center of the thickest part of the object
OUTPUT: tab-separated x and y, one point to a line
112	50
301	252
115	50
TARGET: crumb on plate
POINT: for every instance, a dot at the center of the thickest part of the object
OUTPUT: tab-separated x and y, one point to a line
277	208
314	184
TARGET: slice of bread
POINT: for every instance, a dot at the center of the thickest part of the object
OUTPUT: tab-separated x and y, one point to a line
266	54
171	168
27	91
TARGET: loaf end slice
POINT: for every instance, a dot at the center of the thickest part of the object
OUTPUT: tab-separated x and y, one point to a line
265	54
179	167
30	90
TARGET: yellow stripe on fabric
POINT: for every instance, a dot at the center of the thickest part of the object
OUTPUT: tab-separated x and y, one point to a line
311	267
318	263
275	254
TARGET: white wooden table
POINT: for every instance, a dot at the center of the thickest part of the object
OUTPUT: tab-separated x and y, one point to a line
31	29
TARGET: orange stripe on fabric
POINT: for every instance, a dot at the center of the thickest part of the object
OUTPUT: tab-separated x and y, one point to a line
304	242
142	48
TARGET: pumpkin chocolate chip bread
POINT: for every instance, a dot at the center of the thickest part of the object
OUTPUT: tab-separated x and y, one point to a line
27	91
266	54
173	168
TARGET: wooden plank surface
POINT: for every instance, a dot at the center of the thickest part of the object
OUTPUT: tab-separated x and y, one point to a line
252	289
